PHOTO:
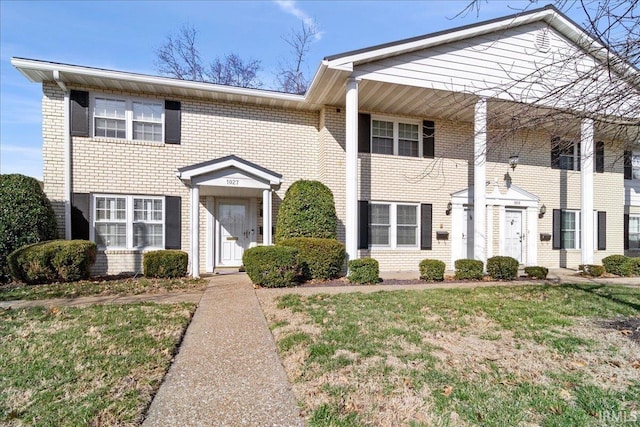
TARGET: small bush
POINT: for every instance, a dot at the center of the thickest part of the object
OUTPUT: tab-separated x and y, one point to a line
632	266
503	267
469	269
432	270
52	261
272	266
363	271
536	272
591	270
319	258
307	210
616	264
165	263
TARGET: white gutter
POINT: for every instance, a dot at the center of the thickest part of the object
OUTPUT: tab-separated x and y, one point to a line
67	156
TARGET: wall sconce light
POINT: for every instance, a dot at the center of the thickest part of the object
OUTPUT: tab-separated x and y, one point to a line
543	210
513	162
449	207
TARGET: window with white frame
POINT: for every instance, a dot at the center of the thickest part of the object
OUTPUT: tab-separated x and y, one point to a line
570	229
568	154
128	222
124	118
393	224
635	165
634	231
398	138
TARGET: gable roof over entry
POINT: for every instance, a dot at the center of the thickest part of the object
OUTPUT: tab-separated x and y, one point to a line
232	162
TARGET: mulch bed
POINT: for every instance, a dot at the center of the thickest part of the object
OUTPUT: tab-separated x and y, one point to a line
344	282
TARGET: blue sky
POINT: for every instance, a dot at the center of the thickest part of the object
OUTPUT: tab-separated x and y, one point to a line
124	35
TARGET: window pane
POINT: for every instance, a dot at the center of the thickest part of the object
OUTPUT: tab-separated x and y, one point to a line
634	224
147	210
112	108
382	129
147	131
147	235
408	148
110	209
406	131
111	235
148	112
568	220
380	234
407	215
380	214
569	239
382	146
110	128
407	235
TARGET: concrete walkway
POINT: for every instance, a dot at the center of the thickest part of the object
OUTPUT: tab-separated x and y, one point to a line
227	372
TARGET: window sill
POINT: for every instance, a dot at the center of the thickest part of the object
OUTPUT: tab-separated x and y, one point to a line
393	156
122	251
124	141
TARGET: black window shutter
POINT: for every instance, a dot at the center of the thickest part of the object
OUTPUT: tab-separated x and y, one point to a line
626	231
364	133
80	214
555	153
627	165
602	230
428	139
599	157
172	122
363	224
557	230
426	226
173	223
79	113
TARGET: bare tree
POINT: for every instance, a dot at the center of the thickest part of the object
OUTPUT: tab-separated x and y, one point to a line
179	57
290	76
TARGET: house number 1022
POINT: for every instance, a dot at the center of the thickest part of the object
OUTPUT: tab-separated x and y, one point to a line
233	182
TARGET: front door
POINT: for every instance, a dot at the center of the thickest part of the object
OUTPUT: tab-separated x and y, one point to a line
234	237
513	234
466	248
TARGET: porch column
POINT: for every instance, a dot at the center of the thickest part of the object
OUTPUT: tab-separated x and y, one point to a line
479	180
351	166
267	222
586	193
195	231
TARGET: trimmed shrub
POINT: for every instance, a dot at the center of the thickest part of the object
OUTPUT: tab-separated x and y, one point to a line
432	270
272	266
503	267
364	271
536	272
616	264
633	266
52	261
591	270
307	210
26	217
469	269
168	263
319	258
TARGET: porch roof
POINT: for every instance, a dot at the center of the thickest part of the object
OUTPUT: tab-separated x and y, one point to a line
207	168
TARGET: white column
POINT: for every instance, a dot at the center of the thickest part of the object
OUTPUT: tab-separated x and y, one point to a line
67	166
267	222
479	180
489	231
586	193
351	166
195	231
210	263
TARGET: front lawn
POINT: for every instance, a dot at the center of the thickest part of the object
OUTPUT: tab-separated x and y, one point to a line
102	287
500	356
97	366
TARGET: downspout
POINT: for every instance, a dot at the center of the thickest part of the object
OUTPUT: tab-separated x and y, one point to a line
67	155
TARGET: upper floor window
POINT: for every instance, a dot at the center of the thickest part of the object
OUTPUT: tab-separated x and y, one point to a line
395	138
134	119
565	154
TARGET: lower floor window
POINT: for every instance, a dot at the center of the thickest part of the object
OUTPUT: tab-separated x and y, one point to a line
128	222
570	229
393	224
634	231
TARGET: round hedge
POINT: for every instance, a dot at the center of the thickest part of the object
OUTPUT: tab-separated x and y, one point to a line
308	210
26	216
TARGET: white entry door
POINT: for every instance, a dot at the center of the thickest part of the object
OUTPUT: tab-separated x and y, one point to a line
466	248
513	234
234	235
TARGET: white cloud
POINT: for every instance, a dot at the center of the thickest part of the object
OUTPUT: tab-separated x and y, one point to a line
291	7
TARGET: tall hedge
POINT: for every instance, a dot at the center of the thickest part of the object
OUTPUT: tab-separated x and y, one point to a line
26	216
308	210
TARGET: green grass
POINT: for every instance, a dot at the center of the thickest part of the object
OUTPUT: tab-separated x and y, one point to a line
128	286
98	365
375	352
